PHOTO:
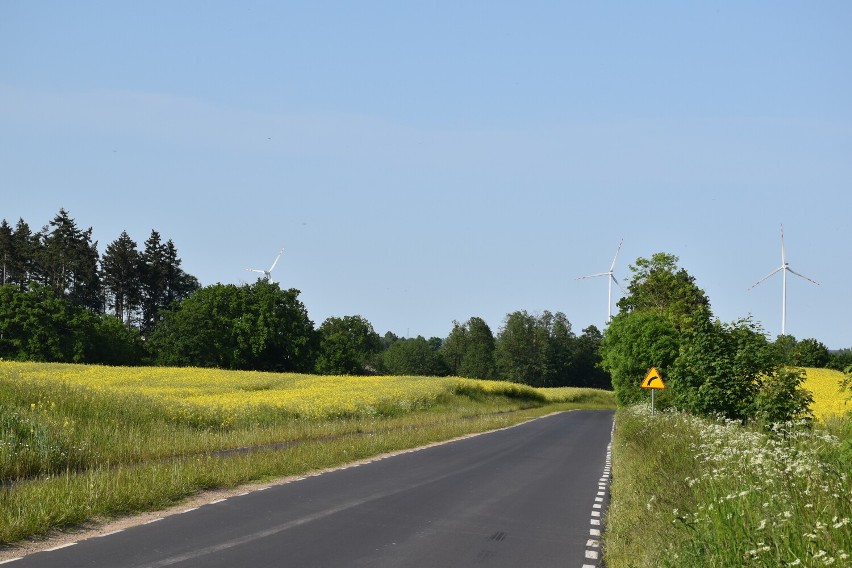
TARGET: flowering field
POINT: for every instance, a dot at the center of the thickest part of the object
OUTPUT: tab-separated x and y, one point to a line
715	493
825	386
215	397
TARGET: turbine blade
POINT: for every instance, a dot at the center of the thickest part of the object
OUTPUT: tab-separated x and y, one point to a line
256	270
276	260
802	276
594	275
767	276
618	283
783	252
612	266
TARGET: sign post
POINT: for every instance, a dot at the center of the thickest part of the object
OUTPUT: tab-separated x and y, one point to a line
653	381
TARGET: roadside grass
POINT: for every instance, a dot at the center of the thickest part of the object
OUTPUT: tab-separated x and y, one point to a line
688	491
81	443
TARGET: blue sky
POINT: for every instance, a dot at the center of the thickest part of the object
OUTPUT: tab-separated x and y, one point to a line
424	162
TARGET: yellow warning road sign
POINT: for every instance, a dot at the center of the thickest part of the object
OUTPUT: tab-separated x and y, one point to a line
653	380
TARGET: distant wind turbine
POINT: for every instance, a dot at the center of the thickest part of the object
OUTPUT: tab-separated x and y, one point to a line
268	273
785	268
610	278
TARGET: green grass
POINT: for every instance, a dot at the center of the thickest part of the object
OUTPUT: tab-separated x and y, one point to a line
70	454
694	492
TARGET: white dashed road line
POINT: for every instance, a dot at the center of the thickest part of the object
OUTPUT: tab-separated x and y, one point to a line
593	545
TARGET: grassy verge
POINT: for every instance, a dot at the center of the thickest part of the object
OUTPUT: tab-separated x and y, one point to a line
72	450
693	492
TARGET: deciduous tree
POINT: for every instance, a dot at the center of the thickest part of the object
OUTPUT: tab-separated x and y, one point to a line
347	346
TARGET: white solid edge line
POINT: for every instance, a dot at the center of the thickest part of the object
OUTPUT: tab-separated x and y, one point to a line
66	545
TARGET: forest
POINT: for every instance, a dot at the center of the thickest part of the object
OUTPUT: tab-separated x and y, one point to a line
63	301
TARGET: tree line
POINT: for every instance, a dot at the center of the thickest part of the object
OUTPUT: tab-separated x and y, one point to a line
60	300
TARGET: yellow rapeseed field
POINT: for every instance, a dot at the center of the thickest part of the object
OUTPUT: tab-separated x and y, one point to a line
825	386
211	396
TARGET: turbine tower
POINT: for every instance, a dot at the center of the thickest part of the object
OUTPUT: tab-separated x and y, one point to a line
785	268
610	279
267	273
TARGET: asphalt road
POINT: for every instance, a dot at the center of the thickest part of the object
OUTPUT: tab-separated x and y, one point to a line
520	497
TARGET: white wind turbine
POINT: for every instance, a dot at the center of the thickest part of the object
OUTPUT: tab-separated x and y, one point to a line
610	278
785	267
268	273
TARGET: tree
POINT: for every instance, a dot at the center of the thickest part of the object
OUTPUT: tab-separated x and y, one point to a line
811	353
721	368
40	325
785	346
163	281
469	350
633	343
7	251
535	350
68	262
840	360
121	268
659	285
250	327
416	357
587	360
781	397
347	346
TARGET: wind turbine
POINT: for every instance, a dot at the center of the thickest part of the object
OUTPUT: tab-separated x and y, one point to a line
610	279
267	273
785	267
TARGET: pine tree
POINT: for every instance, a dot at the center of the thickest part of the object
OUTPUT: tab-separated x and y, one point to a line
122	277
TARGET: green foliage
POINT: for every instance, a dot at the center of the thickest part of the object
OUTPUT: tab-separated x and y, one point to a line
469	350
251	327
633	343
721	367
37	325
536	350
122	277
67	262
112	342
711	368
781	397
416	357
659	285
587	360
347	346
811	353
805	353
164	283
840	360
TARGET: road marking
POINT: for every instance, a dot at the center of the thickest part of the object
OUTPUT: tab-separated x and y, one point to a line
110	533
153	520
11	560
217	501
593	545
188	510
66	545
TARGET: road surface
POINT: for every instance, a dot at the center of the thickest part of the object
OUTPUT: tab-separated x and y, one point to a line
519	497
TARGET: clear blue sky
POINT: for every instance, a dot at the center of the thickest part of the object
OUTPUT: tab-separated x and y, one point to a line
424	162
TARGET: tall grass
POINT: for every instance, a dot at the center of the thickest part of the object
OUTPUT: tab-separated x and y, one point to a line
694	492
